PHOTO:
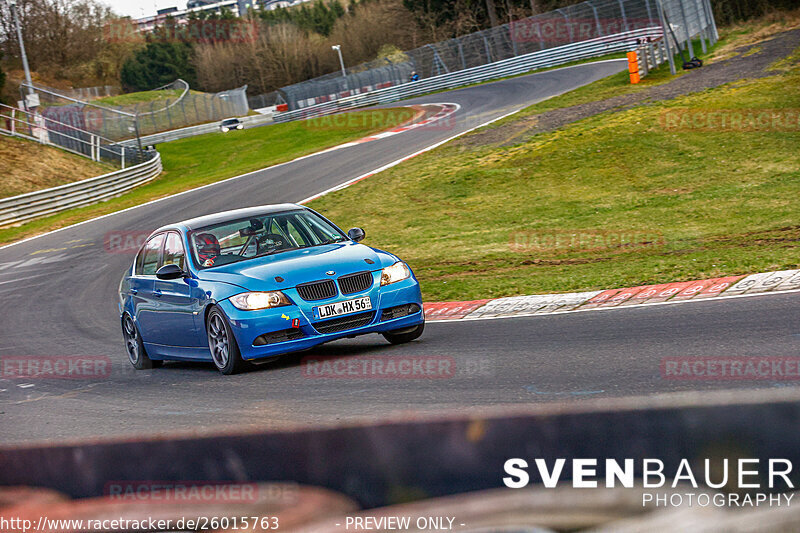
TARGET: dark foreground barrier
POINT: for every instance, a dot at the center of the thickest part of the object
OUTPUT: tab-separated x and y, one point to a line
388	462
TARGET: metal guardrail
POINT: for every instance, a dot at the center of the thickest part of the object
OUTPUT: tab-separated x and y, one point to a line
650	55
39	203
508	67
35	127
191	131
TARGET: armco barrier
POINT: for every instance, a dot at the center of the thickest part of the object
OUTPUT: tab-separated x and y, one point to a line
550	57
200	129
35	204
649	56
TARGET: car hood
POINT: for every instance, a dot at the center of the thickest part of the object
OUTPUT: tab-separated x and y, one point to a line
299	266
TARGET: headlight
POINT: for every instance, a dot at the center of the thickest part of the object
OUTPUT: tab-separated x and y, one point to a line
397	272
250	301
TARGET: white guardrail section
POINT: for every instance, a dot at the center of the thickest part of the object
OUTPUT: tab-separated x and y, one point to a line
190	131
618	42
651	55
35	204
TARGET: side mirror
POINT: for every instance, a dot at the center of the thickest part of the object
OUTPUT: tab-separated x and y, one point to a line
356	234
170	272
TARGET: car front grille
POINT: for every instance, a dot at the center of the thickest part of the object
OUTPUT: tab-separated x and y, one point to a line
344	323
399	311
353	283
317	290
279	336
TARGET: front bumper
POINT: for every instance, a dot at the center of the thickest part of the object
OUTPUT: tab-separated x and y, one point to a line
249	326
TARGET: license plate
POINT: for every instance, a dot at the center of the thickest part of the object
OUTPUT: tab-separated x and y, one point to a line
343	308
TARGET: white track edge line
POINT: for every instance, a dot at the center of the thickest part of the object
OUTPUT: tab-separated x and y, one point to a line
201	187
343	185
433	146
407	157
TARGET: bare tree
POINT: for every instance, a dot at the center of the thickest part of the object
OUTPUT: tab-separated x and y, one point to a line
65	39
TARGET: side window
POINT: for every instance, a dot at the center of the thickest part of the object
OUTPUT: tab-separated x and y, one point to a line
147	263
173	251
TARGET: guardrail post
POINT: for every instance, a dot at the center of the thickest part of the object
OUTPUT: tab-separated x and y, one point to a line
624	18
701	33
600	31
665	32
651	51
701	5
488	49
122	157
686	29
569	26
649	13
711	18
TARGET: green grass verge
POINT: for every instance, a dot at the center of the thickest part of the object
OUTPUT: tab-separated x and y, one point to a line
615	85
196	161
646	203
139	97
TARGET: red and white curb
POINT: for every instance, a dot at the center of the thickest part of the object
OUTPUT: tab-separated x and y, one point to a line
437	121
539	304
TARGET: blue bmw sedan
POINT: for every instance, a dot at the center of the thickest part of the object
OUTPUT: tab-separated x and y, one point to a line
255	283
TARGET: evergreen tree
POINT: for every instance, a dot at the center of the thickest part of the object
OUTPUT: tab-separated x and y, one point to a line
158	63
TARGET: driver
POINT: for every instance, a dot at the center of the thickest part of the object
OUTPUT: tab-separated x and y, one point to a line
208	248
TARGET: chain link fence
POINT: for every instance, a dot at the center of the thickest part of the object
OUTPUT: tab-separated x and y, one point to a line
590	20
174	106
35	126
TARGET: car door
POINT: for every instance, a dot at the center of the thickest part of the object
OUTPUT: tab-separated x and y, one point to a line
176	302
143	286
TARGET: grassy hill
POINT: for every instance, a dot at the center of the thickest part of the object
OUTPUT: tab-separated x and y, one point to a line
29	166
620	198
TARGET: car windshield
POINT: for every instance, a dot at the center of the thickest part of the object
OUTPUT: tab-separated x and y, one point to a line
230	121
247	238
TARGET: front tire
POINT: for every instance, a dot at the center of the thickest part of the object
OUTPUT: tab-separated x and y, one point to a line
224	350
404	335
137	355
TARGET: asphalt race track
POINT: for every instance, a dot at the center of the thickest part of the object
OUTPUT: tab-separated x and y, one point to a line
58	295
